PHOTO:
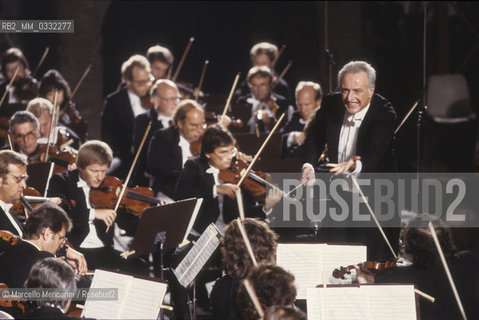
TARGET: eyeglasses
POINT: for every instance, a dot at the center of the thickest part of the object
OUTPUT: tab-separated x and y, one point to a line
19	179
63	239
223	154
30	135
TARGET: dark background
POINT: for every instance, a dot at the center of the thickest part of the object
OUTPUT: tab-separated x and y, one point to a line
389	35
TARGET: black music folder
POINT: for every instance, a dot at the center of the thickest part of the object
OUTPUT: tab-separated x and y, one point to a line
171	222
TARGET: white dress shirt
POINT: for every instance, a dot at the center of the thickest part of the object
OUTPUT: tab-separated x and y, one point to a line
91	240
185	150
135	104
6	208
165	121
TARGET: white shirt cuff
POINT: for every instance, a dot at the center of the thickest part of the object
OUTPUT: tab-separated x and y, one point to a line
359	167
307	165
290	140
215	192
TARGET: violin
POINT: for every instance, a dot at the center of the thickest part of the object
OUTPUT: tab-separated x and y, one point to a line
135	200
61	159
255	183
32	198
72	112
8	238
212	118
373	266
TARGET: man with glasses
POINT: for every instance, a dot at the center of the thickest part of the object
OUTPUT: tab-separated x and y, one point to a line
169	148
266	106
44	236
165	97
24	132
121	108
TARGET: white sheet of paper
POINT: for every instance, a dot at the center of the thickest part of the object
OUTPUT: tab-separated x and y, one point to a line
144	299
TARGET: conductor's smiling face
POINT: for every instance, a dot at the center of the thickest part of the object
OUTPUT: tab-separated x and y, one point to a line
355	91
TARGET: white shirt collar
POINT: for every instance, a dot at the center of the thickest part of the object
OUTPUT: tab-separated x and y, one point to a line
82	183
135	104
5	206
165	121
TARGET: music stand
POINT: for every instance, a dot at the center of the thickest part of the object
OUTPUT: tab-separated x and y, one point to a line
165	227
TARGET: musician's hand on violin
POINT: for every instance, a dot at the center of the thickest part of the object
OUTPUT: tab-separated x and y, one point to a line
77	261
244	157
307	176
298	137
107	215
267	119
228	189
273	197
364	276
224	120
54	201
344	167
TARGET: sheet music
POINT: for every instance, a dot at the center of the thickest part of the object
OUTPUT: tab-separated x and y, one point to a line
391	301
373	302
304	262
193	218
107	309
144	299
198	255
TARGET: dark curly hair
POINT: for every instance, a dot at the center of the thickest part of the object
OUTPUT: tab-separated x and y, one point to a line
236	259
284	313
273	286
419	243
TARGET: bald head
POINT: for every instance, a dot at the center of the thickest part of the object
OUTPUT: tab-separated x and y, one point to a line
308	98
164	96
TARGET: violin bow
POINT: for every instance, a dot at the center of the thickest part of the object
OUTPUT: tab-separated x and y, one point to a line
75	90
202	77
254	298
245	173
9	85
247	243
239	200
406	116
230	96
53	124
185	53
42	59
123	189
281	76
446	269
356	184
281	51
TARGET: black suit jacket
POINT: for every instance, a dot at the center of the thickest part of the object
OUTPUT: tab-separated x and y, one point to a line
194	182
65	186
17	261
294	151
6	224
165	160
117	124
141	123
375	135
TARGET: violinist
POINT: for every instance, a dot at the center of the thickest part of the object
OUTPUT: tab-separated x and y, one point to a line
200	179
165	97
161	60
169	148
11	59
266	106
88	234
422	267
53	81
266	54
24	132
43	111
308	99
44	236
121	108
